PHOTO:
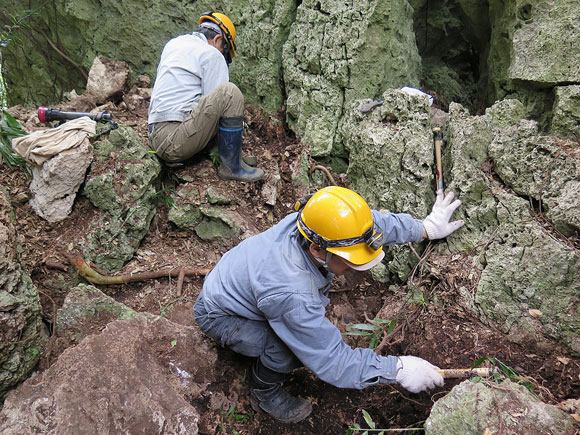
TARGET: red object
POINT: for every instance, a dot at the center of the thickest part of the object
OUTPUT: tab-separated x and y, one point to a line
42	113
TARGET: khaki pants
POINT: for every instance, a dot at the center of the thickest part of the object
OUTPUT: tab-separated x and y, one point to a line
175	141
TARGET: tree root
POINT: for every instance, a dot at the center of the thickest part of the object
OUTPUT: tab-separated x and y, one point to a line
325	171
94	277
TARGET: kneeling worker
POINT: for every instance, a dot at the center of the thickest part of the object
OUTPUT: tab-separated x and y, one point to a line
193	99
266	297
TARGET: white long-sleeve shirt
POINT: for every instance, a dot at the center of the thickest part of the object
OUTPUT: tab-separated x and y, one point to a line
189	69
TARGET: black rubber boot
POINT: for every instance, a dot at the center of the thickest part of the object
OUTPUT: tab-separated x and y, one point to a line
269	397
229	137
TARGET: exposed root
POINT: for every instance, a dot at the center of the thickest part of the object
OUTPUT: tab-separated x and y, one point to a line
91	275
325	172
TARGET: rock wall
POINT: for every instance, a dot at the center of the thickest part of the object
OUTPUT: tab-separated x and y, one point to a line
314	57
353	50
20	311
519	192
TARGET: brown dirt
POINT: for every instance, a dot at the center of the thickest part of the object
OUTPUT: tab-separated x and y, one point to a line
442	332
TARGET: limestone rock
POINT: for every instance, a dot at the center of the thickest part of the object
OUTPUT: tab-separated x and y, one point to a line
20	311
121	183
391	161
108	79
528	269
471	408
497	162
566	116
270	189
210	214
536	166
257	68
86	310
545	45
353	50
143	365
56	182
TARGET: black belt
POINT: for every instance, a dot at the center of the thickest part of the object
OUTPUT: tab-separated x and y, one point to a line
151	127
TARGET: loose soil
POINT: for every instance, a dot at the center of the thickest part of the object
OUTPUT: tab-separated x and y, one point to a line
439	330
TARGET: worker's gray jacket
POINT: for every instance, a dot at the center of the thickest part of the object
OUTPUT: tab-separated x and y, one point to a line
271	277
189	69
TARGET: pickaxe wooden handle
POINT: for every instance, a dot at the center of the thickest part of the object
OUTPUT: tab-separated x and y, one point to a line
465	373
438	139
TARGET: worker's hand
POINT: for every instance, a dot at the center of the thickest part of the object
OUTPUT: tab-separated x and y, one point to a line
415	374
437	225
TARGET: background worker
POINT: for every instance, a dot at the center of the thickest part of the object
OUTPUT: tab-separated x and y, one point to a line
266	297
193	100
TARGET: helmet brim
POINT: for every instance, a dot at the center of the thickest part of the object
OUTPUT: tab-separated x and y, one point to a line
369	265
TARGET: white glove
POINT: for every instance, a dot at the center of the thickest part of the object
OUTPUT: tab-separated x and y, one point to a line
415	374
437	224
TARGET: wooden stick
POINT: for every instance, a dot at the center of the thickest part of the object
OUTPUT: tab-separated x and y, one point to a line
180	281
84	270
465	373
438	137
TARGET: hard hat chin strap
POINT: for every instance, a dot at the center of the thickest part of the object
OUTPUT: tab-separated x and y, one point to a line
324	263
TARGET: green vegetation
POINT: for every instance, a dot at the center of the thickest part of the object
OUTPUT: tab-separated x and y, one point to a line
9	129
500	372
232	417
374	329
165	309
357	429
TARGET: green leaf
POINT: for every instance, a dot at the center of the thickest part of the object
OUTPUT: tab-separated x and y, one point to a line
479	362
368	419
381	320
174	343
363	326
360	333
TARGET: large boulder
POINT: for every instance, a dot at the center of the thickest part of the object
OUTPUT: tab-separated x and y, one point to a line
533	47
122	360
20	312
339	52
503	170
391	161
143	365
518	203
478	408
122	185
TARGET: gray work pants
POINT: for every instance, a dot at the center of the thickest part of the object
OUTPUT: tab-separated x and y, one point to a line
248	337
175	141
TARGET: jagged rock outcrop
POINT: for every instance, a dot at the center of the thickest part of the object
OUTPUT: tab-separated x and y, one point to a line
21	335
352	50
472	408
210	213
122	185
503	170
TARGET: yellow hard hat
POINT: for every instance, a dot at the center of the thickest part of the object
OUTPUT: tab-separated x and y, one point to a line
340	221
225	25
